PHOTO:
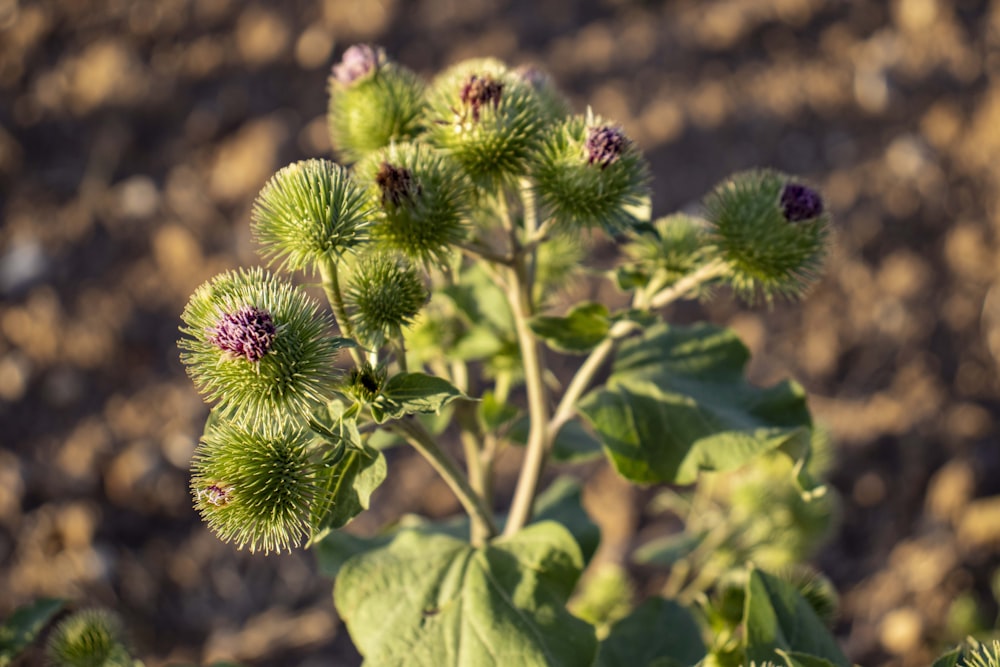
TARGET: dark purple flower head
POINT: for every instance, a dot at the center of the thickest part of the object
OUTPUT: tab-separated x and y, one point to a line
397	184
799	202
478	91
217	494
358	61
247	333
605	144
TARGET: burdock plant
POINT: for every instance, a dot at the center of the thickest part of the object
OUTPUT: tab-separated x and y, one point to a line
443	244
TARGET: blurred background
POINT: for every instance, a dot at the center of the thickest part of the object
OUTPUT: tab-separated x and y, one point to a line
134	135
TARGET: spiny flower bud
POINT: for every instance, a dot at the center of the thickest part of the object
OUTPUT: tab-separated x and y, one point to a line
358	61
257	345
397	185
88	638
480	91
385	294
588	173
605	144
677	248
308	212
373	102
770	231
488	118
420	198
366	382
246	333
800	202
255	485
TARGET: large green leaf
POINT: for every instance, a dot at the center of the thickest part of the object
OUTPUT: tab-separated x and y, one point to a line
352	470
795	659
583	327
778	619
560	502
409	393
23	626
949	659
432	600
658	630
677	403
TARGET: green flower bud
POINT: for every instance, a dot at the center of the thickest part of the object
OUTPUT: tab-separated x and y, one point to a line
487	117
254	485
676	246
373	102
979	654
421	200
257	345
385	294
770	231
366	382
308	212
88	638
588	173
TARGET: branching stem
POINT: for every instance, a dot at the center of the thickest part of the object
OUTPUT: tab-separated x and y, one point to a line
331	285
424	443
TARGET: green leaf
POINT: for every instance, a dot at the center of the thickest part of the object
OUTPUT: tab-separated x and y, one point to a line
796	659
352	470
777	618
494	413
24	625
668	549
677	403
430	600
408	393
572	444
561	502
658	630
583	327
949	659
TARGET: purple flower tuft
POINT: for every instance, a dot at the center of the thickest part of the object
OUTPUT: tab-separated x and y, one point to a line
605	144
216	494
358	61
799	202
247	333
478	91
397	184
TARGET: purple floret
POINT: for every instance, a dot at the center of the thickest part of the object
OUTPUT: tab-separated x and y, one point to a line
478	91
799	202
605	144
397	184
248	333
358	61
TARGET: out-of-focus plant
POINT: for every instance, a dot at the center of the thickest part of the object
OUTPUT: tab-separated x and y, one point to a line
444	252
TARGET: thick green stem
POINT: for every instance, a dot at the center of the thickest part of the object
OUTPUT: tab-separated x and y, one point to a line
424	443
331	285
536	450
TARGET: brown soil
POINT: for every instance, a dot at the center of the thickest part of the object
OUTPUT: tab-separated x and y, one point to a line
134	136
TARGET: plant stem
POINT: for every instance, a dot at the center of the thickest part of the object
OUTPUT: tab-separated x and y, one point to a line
536	450
707	272
424	443
585	374
331	285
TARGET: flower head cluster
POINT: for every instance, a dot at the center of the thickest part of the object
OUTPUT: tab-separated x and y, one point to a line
247	333
800	202
358	61
254	485
605	145
479	91
88	637
384	295
257	345
770	232
397	185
